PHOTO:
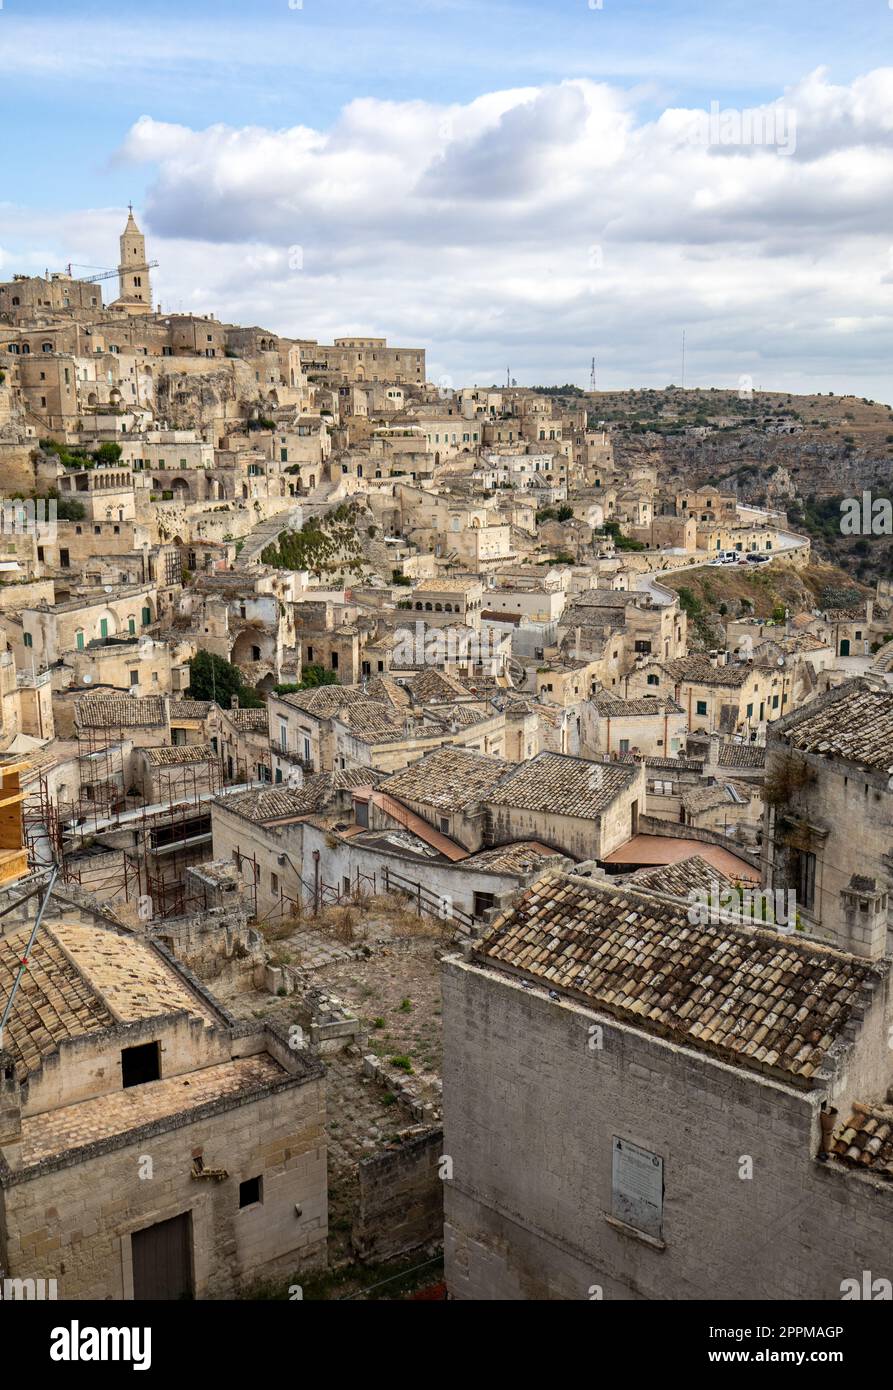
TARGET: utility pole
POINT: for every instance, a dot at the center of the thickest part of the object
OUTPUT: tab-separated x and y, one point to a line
683	359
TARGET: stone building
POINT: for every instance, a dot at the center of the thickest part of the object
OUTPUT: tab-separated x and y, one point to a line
640	1108
150	1146
653	727
828	792
579	808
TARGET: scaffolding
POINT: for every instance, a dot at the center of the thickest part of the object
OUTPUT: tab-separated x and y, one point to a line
168	835
100	767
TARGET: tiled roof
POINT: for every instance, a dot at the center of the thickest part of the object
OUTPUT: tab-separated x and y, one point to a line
742	755
179	754
83	980
349	777
387	690
448	779
866	1139
678	879
563	785
520	857
429	686
247	719
613	708
374	722
281	803
101	711
53	1003
698	670
324	700
752	997
855	723
191	709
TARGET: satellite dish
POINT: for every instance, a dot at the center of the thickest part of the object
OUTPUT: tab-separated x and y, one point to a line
87	680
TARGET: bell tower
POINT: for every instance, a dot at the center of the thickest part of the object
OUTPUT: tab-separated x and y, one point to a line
133	269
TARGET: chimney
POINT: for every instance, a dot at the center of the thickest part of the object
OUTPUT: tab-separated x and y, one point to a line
234	702
864	904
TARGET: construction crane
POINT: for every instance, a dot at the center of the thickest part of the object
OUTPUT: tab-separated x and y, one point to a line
105	274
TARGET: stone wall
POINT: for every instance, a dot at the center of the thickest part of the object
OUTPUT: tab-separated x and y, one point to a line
401	1198
530	1109
73	1221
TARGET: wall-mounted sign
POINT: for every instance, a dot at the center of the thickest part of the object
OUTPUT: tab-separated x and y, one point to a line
637	1187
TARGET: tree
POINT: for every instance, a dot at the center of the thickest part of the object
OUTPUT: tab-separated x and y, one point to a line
311	677
107	453
212	678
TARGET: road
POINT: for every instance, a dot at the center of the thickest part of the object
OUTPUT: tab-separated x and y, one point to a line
660	595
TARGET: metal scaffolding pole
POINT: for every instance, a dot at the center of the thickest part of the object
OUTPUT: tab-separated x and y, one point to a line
25	958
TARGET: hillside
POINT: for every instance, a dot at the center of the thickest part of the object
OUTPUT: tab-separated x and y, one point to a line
800	453
710	595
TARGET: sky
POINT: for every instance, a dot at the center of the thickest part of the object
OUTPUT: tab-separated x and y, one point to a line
512	186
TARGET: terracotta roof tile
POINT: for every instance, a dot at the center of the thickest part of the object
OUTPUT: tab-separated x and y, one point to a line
753	997
564	785
856	723
448	779
865	1140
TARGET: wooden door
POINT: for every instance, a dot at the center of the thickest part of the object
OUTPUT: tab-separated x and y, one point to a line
162	1260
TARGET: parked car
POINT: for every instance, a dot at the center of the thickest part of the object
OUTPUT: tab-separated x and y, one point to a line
755	559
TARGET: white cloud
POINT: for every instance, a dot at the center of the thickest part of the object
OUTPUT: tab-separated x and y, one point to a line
535	226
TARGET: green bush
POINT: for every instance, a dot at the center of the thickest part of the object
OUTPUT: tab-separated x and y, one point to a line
212	678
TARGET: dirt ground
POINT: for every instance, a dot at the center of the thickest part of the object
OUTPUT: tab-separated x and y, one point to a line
382	964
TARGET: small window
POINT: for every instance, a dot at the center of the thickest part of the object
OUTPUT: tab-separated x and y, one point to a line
140	1064
250	1192
28	639
701	707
